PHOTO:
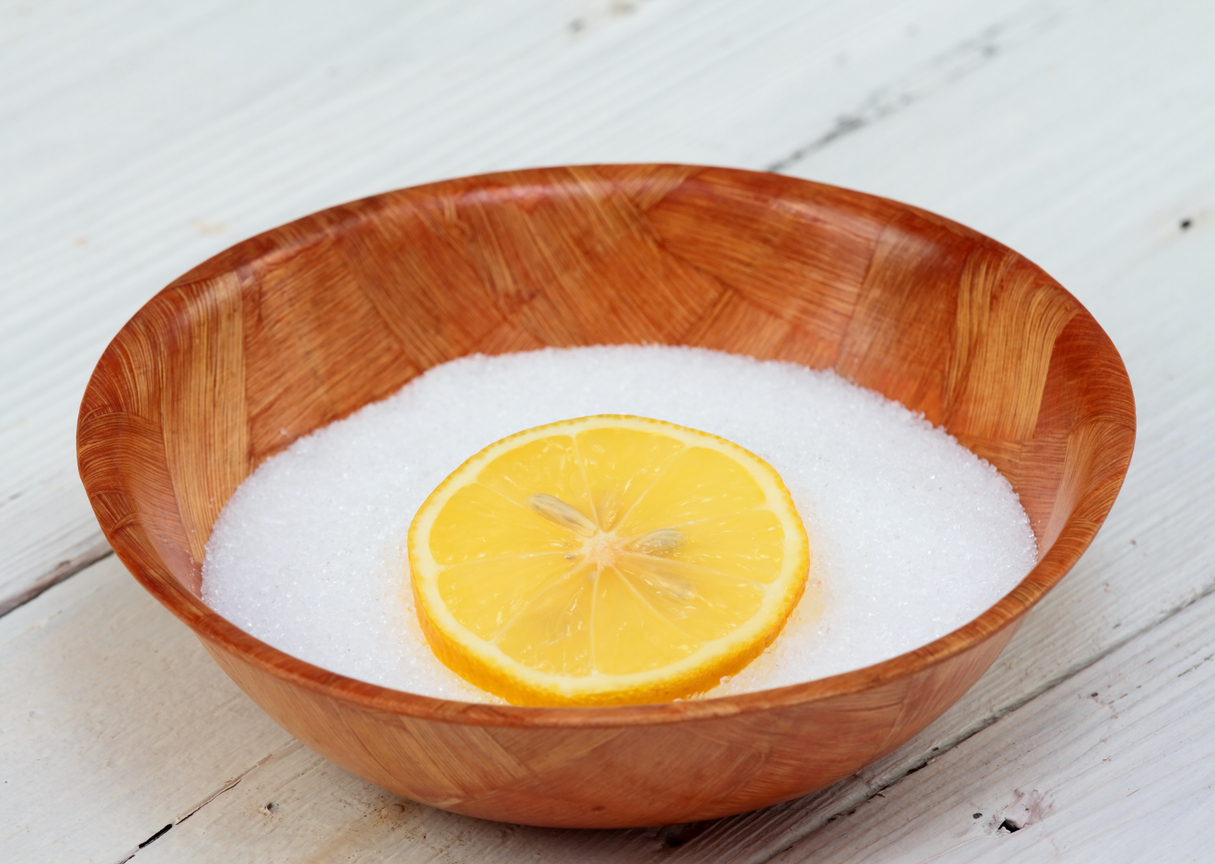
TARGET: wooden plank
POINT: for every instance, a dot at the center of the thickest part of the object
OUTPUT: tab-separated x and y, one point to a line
296	806
1115	240
113	722
1079	768
1137	268
1114	765
143	140
1123	252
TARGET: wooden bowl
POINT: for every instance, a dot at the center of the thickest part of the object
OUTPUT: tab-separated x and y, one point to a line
302	325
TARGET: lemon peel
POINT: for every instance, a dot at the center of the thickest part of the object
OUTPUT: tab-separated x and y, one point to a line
606	560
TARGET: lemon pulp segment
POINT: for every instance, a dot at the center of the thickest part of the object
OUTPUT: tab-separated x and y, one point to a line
606	560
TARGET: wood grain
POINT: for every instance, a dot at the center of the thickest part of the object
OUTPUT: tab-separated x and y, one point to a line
1079	773
582	256
96	750
1030	147
139	145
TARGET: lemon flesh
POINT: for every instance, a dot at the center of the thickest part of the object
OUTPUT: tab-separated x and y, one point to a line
606	560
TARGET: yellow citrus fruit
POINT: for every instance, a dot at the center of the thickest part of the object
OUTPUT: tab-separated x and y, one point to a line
606	560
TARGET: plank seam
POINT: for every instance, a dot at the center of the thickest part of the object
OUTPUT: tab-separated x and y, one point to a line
227	787
849	805
96	551
965	58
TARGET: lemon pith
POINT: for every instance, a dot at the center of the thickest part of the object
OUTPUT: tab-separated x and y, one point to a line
606	560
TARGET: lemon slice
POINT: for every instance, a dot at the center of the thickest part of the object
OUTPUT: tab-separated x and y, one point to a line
606	560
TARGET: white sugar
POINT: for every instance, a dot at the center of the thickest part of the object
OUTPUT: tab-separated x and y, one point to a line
914	535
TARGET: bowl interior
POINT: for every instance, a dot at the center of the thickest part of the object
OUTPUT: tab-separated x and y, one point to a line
300	326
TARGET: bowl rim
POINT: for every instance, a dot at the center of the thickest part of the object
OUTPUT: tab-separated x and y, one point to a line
1090	510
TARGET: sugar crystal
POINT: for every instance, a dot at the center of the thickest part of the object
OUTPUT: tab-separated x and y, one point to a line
913	535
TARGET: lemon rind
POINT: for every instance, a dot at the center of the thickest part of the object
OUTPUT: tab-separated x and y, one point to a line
488	667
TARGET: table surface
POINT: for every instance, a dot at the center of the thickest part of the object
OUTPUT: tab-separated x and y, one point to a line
140	138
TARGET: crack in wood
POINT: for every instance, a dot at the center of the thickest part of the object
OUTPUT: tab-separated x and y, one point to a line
63	570
849	804
226	787
937	73
153	838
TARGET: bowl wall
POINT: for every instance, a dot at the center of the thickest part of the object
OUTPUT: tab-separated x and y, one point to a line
300	326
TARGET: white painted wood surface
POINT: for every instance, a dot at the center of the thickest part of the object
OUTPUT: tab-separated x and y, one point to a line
113	722
1114	765
139	140
1077	132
